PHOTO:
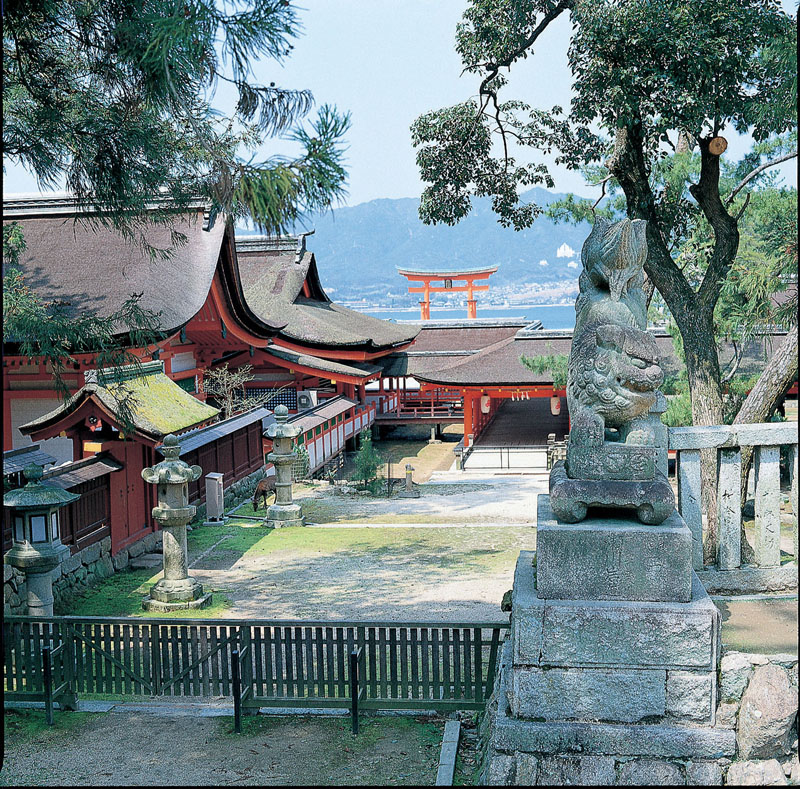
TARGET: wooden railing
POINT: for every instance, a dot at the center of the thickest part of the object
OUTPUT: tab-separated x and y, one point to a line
766	441
442	666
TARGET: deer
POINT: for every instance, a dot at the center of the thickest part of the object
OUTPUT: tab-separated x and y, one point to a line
263	489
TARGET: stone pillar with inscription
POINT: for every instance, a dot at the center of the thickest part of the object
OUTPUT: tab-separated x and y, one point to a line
609	674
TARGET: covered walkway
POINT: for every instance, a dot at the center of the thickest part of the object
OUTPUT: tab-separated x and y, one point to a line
524	423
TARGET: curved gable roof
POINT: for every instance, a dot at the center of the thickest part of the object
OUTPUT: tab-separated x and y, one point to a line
70	258
272	273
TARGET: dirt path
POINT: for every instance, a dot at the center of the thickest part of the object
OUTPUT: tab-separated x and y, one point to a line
192	751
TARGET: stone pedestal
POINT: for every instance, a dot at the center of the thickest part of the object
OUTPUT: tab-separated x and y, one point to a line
611	663
39	583
613	558
409	492
177	589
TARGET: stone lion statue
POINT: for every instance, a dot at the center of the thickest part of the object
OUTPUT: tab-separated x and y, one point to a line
616	453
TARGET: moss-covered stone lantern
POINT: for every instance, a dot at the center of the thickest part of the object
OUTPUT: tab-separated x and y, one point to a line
37	548
177	589
283	512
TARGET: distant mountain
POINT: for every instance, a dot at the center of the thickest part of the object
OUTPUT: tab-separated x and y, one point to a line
359	248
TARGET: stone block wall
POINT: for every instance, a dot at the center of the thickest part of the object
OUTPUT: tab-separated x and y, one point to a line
758	704
240	491
79	571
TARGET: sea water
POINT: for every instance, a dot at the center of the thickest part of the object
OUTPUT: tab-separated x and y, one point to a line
552	316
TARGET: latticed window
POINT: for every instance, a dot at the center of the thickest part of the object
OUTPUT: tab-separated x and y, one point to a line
287	397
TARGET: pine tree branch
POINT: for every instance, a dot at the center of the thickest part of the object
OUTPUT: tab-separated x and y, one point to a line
757	171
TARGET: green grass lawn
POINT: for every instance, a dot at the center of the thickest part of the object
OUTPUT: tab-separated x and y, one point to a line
22	725
467	553
122	593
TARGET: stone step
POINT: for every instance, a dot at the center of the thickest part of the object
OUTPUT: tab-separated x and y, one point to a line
146	561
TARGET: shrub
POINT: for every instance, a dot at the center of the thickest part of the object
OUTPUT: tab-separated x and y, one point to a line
367	460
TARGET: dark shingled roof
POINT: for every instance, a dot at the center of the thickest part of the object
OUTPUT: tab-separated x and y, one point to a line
200	436
463	336
95	269
327	366
322	412
499	364
272	273
71	474
15	460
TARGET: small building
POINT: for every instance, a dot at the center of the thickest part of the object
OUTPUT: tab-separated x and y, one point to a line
124	420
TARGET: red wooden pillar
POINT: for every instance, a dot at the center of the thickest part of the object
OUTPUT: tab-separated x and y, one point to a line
8	440
425	304
468	403
472	304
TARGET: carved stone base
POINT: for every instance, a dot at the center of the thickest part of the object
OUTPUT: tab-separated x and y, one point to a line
652	499
157	605
607	558
408	494
611	460
184	590
280	515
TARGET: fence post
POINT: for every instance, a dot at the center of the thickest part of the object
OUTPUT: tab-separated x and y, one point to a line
69	697
237	692
354	657
48	683
155	658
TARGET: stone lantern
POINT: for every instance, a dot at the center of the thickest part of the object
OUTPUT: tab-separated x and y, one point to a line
283	512
37	549
172	477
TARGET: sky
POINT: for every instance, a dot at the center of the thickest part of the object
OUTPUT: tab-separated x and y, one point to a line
387	62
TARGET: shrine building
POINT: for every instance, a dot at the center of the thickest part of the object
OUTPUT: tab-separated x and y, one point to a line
219	300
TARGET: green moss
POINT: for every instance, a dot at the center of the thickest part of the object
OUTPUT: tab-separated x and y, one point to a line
121	595
160	403
22	725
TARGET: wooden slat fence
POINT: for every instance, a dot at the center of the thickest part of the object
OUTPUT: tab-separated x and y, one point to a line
282	663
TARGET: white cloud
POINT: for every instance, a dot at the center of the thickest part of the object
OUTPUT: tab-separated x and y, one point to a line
543	263
565	251
572	264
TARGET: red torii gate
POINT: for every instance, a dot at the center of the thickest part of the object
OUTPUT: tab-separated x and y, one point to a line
447	278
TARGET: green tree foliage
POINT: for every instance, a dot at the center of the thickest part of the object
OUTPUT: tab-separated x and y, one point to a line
115	98
555	364
301	464
51	330
654	84
649	79
367	460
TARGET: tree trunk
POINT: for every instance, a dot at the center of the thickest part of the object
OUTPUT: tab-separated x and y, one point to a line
702	369
779	374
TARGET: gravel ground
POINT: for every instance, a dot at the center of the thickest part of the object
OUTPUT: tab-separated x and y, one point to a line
454	573
449	497
137	749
